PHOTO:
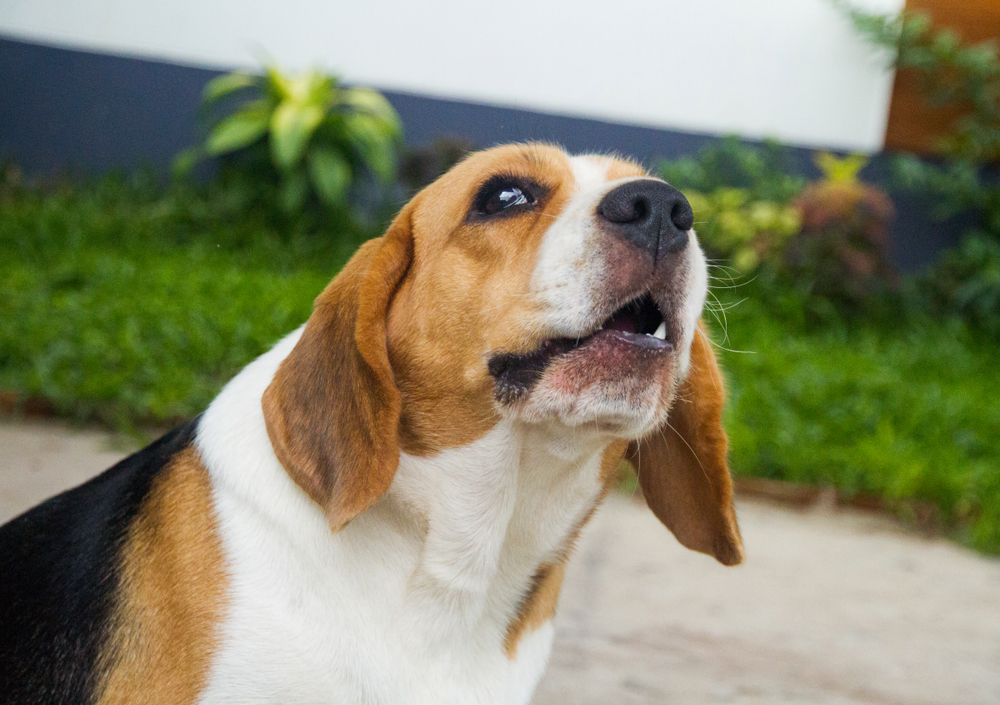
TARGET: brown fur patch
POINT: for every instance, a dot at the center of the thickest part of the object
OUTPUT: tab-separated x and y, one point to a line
332	410
539	604
682	466
464	296
171	594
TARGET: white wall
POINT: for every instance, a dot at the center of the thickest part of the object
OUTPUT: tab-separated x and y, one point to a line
789	69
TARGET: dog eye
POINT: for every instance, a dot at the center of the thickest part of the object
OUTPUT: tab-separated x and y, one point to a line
501	196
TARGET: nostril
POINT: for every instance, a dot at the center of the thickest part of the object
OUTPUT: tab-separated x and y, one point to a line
624	208
641	208
681	214
650	214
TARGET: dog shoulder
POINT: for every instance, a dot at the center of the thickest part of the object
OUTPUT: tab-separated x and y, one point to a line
111	589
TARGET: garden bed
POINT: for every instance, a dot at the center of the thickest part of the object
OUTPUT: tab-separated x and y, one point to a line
127	305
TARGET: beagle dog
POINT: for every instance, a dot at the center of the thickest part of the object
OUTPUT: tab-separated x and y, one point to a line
379	509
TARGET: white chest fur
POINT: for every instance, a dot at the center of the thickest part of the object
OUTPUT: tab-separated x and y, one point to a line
411	602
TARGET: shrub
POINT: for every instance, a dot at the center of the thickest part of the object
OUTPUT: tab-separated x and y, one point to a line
954	74
764	171
730	225
967	78
841	252
739	193
967	282
305	134
829	239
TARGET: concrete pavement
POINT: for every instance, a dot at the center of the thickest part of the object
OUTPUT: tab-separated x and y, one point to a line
832	607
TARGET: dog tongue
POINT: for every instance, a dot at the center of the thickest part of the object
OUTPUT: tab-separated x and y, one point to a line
624	320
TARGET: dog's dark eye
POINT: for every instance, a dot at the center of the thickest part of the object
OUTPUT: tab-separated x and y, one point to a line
499	195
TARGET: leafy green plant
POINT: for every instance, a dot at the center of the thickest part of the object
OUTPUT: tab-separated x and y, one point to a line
830	238
317	136
739	193
765	172
967	282
841	252
746	232
966	77
953	73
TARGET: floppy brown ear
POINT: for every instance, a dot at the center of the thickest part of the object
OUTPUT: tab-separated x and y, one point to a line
332	410
682	466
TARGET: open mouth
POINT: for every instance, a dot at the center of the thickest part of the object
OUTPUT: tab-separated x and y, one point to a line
638	324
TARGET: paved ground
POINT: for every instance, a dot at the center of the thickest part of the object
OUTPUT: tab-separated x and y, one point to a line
831	607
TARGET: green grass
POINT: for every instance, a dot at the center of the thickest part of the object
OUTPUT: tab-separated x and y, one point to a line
903	410
120	305
128	305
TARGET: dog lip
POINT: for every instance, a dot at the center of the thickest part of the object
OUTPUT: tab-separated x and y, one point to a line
637	324
515	374
639	314
642	340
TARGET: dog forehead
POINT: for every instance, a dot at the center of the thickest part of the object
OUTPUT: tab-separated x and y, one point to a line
591	171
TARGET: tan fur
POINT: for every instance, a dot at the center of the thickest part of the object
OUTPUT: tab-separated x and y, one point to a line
332	410
464	297
394	359
424	303
682	466
538	606
171	595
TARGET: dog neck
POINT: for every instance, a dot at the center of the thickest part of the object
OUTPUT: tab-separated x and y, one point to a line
458	537
492	512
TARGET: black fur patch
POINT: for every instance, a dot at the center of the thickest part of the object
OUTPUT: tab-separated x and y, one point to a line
58	576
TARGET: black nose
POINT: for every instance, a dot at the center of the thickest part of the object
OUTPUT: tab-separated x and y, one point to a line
649	213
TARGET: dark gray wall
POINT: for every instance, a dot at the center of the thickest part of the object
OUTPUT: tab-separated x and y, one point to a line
64	108
83	112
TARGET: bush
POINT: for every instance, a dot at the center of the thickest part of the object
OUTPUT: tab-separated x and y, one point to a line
841	252
954	74
902	409
830	239
967	282
306	134
966	78
745	232
765	172
739	193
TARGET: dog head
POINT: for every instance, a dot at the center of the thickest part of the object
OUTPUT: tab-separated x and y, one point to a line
523	284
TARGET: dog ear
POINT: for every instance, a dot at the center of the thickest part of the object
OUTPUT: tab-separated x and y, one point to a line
682	465
332	410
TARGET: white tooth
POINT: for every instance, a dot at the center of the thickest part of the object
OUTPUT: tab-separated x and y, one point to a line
661	332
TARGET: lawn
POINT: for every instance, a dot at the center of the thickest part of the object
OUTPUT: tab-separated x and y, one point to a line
121	305
902	412
127	304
